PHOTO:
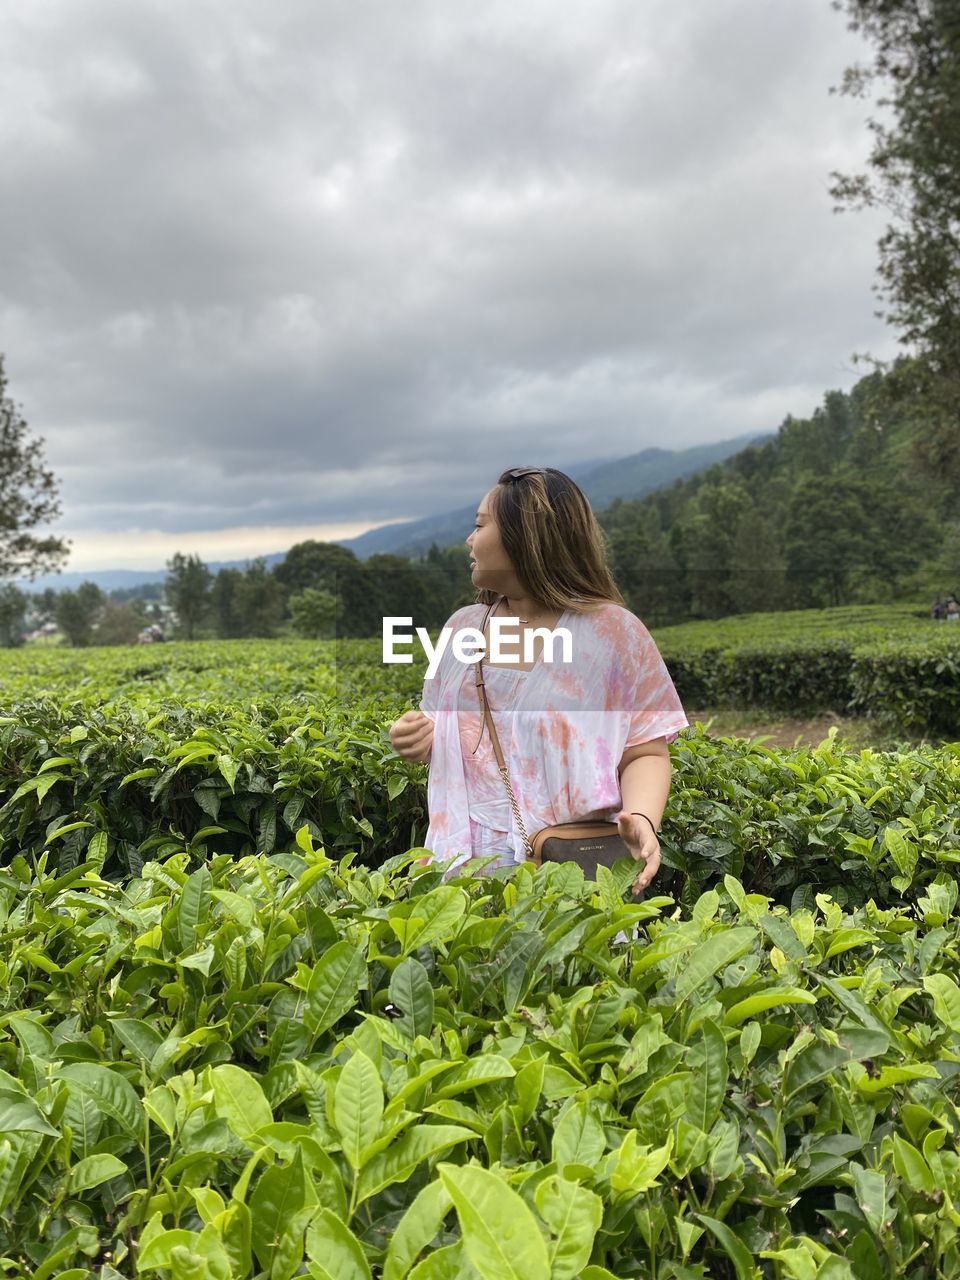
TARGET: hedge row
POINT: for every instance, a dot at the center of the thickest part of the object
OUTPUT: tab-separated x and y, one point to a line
132	784
909	687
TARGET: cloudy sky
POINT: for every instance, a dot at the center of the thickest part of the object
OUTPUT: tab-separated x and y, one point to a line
271	271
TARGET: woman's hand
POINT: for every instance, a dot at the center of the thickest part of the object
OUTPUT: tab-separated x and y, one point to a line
412	736
640	838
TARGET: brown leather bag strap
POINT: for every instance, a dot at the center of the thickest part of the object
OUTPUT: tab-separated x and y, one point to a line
495	741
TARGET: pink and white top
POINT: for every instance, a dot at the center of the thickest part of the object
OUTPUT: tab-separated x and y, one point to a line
563	728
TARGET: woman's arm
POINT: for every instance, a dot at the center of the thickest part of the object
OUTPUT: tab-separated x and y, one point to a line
645	773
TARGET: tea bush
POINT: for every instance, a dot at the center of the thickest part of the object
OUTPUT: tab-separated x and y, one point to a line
289	1065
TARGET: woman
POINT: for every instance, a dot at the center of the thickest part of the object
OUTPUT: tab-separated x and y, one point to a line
585	739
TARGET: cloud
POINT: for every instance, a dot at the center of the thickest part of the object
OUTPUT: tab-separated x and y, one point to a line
320	263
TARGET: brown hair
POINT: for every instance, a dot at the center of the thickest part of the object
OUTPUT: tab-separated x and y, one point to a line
552	539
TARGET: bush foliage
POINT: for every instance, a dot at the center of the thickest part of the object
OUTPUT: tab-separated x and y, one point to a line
246	1034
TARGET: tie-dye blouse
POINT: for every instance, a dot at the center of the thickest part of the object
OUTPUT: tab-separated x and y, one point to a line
563	728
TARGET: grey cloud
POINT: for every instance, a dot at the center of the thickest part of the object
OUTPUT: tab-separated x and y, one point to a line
327	262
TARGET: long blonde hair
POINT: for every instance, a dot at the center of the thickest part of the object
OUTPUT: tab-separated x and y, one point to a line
552	539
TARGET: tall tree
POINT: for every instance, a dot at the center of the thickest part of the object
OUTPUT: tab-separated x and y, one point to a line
28	498
77	613
13	609
313	614
223	604
259	600
914	174
188	591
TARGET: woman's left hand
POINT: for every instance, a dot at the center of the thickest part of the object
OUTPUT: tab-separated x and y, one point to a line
641	840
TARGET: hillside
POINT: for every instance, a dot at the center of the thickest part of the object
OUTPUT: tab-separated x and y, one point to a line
629	478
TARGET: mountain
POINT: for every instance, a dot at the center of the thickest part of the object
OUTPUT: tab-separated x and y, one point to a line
642	473
630	477
602	481
115	579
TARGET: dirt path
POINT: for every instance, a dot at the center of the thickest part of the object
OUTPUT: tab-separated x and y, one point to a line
782	732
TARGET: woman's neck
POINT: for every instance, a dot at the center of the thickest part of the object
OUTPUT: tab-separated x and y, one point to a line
525	608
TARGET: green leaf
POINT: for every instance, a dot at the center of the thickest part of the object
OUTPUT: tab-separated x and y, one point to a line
97	849
280	1208
92	1171
871	1188
396	785
158	1251
427	918
719	950
529	1084
335	1250
782	935
416	1229
814	1063
357	1106
501	1236
448	1263
333	986
636	1169
733	1247
578	1137
772	998
846	939
411	992
911	1166
20	1114
946	998
112	1093
483	1068
228	769
573	1214
708	1062
750	1037
65	1249
240	1100
401	1158
194	907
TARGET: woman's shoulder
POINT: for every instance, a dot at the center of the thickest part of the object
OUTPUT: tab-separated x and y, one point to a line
610	620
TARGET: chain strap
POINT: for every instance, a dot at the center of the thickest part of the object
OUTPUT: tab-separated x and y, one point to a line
516	811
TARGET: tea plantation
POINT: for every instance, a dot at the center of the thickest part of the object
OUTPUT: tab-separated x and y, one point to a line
244	1034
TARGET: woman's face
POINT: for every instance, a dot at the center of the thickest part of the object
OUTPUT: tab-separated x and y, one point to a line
490	566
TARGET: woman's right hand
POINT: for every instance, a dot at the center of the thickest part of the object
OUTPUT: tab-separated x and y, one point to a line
412	736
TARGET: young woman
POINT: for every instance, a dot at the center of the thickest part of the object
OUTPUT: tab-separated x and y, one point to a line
584	739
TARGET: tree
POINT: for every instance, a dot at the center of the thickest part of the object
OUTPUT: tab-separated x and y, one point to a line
313	614
28	497
223	604
188	591
757	581
915	175
77	613
844	531
259	600
44	606
13	609
120	622
315	564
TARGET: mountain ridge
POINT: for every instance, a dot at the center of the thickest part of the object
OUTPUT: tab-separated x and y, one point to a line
628	478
